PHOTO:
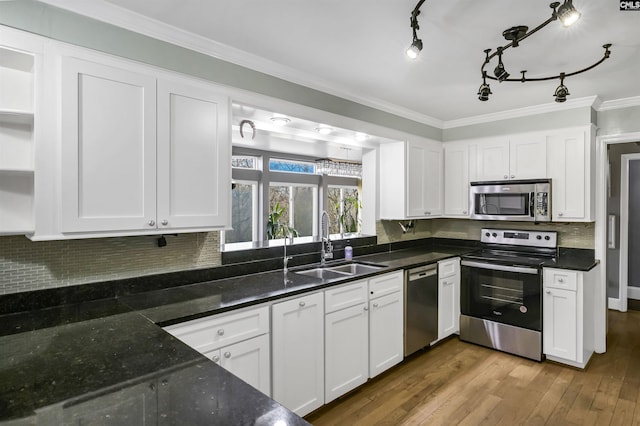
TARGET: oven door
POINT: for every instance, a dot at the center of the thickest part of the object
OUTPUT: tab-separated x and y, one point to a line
506	294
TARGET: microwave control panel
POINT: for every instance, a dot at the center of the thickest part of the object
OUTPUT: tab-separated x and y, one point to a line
542	204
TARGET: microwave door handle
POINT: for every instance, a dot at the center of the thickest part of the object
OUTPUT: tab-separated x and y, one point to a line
532	204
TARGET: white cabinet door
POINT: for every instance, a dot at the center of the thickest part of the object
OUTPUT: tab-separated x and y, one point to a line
194	157
346	350
492	160
108	148
424	179
528	156
249	360
386	346
560	323
570	177
456	179
298	353
448	298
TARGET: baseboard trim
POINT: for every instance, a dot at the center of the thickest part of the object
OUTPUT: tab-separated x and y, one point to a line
614	304
633	293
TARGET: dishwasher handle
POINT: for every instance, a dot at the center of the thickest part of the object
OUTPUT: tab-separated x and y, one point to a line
422	272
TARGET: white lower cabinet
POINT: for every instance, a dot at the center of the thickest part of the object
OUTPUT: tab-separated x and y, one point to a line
568	305
298	353
448	297
238	341
386	335
346	350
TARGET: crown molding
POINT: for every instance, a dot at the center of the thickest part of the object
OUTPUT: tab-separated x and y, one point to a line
619	103
115	15
522	112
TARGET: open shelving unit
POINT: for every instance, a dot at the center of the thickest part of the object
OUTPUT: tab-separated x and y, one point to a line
16	141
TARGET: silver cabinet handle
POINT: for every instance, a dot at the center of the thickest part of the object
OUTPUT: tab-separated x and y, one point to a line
302	304
227	354
560	280
548	291
152	386
506	176
215	359
165	222
513	176
464	212
375	305
560	214
152	223
164	382
366	308
427	213
221	332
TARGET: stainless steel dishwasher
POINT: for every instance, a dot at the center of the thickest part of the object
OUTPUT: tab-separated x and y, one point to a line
420	308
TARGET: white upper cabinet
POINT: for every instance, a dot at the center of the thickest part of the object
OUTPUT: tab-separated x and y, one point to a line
141	152
193	156
515	157
456	179
570	164
411	179
108	148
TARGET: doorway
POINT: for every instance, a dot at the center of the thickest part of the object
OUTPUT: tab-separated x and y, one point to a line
630	226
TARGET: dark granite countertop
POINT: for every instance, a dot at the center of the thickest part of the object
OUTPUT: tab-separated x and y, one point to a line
57	357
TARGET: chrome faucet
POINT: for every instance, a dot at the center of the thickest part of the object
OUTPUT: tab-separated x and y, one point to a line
287	239
328	252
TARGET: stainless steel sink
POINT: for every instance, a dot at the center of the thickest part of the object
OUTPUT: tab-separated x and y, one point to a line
340	271
355	268
322	273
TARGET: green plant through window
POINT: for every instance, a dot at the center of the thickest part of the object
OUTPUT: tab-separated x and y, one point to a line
345	205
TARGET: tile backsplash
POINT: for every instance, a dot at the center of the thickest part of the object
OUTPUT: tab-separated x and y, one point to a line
26	265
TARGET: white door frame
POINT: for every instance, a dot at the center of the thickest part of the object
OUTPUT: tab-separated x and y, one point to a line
624	228
601	221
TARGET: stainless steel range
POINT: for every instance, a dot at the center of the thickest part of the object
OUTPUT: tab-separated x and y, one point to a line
501	291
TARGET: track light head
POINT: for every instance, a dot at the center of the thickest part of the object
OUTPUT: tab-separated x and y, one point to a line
414	50
484	92
561	92
567	14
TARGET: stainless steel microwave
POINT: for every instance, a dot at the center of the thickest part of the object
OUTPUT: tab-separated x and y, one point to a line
517	200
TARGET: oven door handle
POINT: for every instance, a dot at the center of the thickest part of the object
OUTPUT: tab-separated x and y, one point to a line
495	267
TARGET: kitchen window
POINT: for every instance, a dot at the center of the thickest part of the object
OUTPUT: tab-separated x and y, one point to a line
276	194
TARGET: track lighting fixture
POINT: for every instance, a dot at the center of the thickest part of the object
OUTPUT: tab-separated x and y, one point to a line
485	90
567	15
416	45
561	91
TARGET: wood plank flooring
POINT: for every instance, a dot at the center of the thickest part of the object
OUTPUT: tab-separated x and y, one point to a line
460	383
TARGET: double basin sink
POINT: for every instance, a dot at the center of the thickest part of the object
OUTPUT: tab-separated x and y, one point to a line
331	272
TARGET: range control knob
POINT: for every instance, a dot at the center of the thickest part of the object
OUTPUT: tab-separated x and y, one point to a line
487	234
547	237
494	235
539	237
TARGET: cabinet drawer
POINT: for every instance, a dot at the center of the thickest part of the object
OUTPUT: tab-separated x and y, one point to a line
345	296
560	278
449	267
386	284
207	334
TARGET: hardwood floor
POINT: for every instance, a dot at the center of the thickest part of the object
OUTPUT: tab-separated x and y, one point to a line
460	383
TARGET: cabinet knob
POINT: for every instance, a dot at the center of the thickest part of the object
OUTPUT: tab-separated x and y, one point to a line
152	223
560	280
221	332
164	382
165	222
548	291
366	308
152	386
215	359
227	354
427	213
375	305
513	176
506	176
302	304
560	214
464	212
